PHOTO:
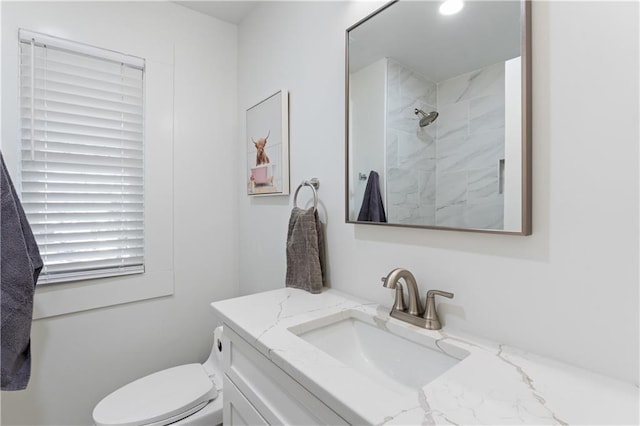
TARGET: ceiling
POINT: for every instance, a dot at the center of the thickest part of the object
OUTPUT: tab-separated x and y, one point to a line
230	11
439	47
416	35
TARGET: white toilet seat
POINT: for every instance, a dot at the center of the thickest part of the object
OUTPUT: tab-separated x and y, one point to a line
178	417
157	399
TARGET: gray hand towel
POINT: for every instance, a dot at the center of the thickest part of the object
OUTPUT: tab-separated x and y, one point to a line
19	270
372	209
305	251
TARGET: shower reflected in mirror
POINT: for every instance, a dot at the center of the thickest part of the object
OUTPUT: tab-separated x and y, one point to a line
445	125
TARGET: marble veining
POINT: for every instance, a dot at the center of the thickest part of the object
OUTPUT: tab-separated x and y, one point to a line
473	84
494	384
529	382
278	316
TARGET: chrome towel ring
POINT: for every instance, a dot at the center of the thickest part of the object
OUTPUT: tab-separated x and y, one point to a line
313	184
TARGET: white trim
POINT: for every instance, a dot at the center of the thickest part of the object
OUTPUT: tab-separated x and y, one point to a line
78	296
88	275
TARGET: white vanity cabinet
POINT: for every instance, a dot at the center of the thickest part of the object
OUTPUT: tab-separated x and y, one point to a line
257	392
274	374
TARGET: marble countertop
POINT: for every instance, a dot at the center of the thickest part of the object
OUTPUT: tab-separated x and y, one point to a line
495	384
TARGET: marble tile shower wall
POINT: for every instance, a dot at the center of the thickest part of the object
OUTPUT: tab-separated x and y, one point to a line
448	172
470	146
411	150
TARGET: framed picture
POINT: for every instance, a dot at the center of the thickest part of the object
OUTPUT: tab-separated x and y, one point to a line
268	146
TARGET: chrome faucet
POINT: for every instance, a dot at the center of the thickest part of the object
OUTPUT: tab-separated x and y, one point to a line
414	314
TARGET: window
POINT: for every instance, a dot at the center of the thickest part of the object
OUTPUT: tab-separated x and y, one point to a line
82	157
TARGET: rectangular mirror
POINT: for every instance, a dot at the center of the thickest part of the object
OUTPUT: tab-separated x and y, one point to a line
438	117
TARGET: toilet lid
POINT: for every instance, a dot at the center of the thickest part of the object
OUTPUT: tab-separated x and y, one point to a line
160	396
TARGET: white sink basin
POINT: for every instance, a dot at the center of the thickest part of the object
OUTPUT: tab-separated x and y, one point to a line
403	362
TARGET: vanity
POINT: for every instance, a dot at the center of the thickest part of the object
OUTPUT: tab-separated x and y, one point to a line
296	358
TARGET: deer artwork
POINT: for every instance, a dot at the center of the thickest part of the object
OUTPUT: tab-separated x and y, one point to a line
261	156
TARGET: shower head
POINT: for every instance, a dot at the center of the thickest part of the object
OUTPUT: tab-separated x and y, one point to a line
426	118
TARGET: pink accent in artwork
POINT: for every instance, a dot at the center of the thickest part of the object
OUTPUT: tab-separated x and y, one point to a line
259	175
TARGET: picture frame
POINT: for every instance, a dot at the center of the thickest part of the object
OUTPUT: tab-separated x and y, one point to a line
267	142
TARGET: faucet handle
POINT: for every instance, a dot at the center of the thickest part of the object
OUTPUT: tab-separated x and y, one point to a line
430	313
432	293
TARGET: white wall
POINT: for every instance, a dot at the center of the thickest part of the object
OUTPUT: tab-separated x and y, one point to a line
569	291
512	144
79	358
368	105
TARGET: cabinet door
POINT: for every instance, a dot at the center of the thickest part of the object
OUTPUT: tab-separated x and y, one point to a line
236	410
278	398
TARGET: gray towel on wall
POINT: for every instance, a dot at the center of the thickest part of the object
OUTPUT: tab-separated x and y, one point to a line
372	209
305	251
19	270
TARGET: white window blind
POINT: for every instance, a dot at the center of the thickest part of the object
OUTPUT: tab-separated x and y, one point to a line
82	157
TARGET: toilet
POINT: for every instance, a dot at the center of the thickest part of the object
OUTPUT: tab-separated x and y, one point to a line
188	394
